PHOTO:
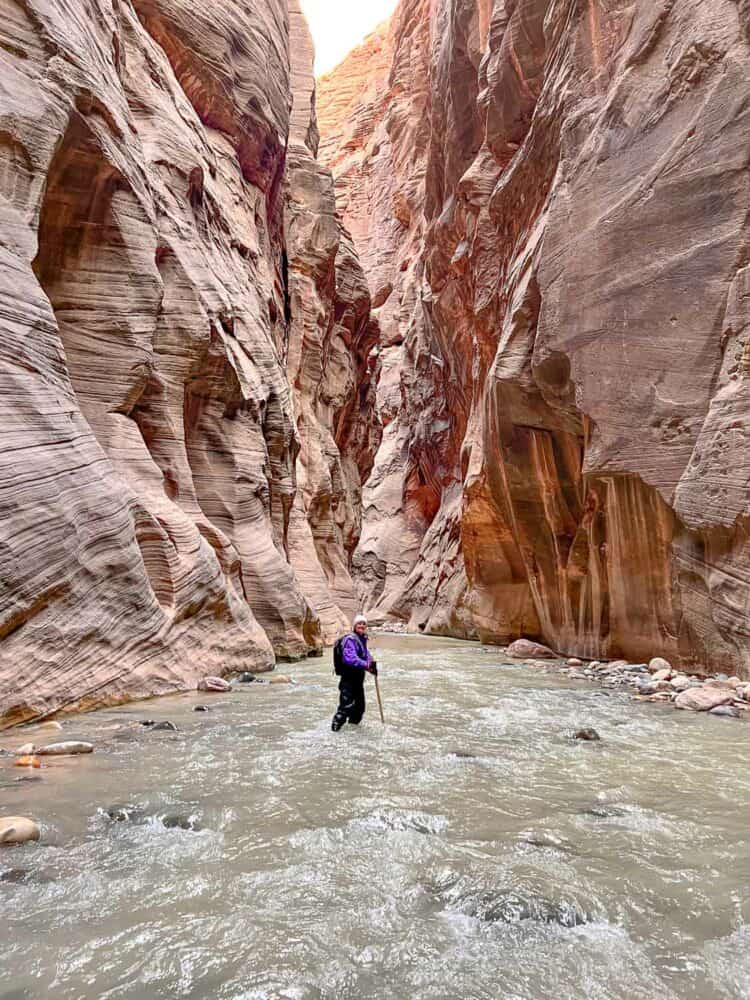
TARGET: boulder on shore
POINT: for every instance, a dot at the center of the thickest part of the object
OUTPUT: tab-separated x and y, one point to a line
214	684
525	649
703	699
17	830
659	663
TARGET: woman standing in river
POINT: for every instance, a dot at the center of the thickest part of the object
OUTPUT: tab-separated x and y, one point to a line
351	660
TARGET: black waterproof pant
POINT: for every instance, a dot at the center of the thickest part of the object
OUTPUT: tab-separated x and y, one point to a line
351	698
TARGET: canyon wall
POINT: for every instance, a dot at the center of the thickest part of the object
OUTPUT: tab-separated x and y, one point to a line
186	335
550	201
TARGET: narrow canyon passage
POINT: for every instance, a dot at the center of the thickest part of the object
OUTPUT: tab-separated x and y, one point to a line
469	848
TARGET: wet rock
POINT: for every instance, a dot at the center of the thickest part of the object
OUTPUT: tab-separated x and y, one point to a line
604	812
659	663
246	678
653	687
147	722
164	727
525	649
704	698
25	750
587	735
177	821
22	876
662	675
28	760
280	679
743	691
636	668
513	908
575	662
67	749
214	684
17	830
119	813
725	712
201	708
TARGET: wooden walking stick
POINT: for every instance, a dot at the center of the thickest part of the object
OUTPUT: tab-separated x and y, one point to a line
380	702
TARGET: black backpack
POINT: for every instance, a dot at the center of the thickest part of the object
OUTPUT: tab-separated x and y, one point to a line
338	653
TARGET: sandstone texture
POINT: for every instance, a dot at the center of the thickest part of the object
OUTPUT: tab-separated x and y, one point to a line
185	333
550	202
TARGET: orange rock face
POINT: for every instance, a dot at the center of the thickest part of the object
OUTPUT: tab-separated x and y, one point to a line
549	199
184	328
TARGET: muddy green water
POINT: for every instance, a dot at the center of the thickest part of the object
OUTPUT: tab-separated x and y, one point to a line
379	862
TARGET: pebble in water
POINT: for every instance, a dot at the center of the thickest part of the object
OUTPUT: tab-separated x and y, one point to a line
587	735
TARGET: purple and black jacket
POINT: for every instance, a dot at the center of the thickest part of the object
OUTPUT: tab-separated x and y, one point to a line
354	651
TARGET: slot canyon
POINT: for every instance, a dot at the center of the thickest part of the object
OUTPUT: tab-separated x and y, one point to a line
458	335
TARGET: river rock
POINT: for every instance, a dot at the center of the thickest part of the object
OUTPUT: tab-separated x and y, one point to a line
119	813
725	712
49	725
280	679
25	750
704	698
525	649
176	821
246	677
659	663
214	684
201	708
164	727
680	683
743	691
69	748
28	760
575	662
588	735
653	687
17	830
662	675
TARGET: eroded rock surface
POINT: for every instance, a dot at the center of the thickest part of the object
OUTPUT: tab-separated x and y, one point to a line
550	200
152	305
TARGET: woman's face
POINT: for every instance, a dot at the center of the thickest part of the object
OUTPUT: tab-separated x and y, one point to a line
360	628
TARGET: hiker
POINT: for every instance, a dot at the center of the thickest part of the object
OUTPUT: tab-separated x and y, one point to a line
351	660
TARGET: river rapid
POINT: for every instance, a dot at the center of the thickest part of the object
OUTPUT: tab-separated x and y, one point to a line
467	849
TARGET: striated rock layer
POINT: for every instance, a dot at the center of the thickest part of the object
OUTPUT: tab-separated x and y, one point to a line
185	327
550	200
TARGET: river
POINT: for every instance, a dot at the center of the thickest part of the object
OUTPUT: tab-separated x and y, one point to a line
467	849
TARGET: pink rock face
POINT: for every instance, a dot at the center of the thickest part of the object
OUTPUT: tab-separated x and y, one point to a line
550	207
153	306
703	699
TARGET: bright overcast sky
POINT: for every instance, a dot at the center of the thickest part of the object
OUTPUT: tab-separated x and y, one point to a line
339	25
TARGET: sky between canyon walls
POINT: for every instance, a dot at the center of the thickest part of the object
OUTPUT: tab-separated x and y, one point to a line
339	25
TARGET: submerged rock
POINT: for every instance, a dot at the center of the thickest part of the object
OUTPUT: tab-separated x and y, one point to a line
121	813
201	708
17	830
587	735
280	679
164	727
177	821
246	677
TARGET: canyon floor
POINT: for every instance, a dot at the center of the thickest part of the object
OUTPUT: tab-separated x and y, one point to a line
468	848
